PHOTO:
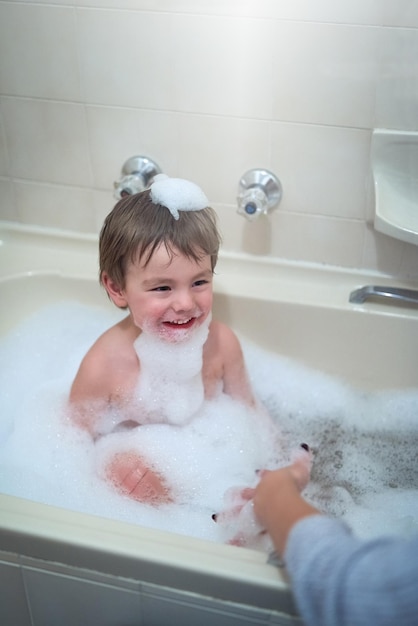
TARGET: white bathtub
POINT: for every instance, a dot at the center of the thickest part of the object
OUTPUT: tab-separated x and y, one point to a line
59	566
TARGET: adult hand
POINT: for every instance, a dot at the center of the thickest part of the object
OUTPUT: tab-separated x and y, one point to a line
278	504
278	484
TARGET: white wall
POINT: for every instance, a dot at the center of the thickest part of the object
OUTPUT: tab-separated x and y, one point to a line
209	89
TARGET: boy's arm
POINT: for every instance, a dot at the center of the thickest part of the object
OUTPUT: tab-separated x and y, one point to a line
90	401
104	379
235	377
89	394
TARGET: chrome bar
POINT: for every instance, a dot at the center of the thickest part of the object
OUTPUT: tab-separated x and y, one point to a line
358	296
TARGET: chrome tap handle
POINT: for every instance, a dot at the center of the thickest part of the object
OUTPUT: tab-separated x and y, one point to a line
137	174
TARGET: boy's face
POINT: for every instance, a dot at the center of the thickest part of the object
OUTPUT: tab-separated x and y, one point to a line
169	297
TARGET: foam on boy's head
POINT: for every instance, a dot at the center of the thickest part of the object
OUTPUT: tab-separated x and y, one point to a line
177	194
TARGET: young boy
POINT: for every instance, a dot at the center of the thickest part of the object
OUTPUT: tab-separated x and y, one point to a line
158	251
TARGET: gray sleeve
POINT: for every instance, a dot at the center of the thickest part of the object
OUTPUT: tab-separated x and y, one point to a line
340	580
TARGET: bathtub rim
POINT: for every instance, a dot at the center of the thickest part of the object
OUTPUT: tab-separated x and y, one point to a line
71	538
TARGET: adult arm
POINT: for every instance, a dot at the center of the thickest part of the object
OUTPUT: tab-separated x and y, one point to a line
337	579
341	580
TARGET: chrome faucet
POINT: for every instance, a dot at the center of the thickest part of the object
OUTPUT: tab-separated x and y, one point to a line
259	192
358	296
137	174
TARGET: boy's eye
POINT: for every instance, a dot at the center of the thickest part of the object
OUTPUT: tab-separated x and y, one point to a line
198	283
161	288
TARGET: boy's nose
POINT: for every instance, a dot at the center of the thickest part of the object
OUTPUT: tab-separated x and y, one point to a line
183	301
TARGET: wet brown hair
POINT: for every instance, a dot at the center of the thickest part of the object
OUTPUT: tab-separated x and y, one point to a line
136	227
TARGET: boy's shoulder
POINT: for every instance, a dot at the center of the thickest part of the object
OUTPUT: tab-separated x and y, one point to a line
223	335
109	364
219	328
116	342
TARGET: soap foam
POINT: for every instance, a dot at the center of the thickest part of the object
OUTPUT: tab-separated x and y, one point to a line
175	370
364	444
177	194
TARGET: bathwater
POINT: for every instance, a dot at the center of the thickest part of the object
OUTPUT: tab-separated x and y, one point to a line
364	444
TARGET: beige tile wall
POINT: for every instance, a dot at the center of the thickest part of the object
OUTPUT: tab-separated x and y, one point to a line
209	89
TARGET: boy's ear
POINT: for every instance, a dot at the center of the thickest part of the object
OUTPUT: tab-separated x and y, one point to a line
115	293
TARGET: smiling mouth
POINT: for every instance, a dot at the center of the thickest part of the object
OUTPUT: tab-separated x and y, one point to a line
180	323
